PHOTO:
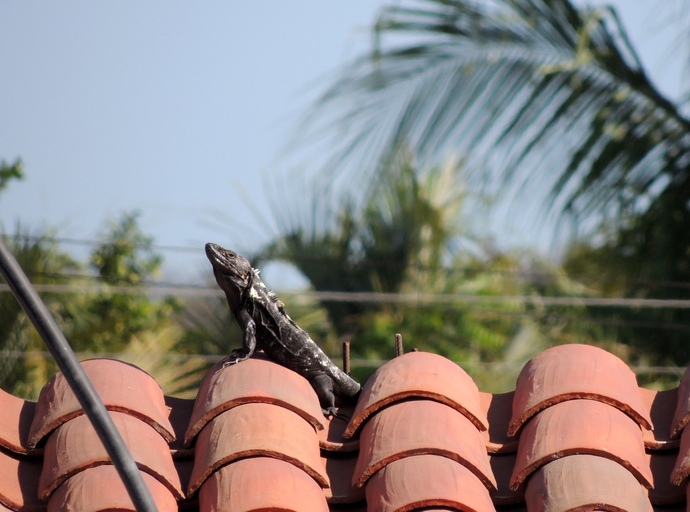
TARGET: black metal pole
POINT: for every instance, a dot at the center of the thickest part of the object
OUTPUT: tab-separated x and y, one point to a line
67	360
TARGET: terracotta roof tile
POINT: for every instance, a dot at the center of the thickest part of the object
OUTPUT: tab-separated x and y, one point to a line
75	446
252	430
421	427
569	372
418	415
426	481
19	482
261	483
100	488
502	467
579	427
121	386
497	409
15	422
253	381
332	437
664	492
419	375
681	471
180	414
585	482
681	416
661	406
340	467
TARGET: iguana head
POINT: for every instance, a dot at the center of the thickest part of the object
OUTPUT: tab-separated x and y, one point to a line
233	273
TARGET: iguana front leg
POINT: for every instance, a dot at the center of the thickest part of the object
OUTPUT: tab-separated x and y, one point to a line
246	323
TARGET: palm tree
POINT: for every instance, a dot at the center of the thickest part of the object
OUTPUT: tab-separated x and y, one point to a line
408	220
548	101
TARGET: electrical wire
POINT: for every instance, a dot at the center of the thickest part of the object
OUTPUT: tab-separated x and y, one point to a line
376	297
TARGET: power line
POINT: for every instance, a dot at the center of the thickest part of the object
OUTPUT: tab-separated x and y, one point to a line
317	259
375	297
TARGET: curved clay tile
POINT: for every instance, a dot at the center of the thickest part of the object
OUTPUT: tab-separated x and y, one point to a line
340	467
681	416
261	483
576	371
255	380
585	482
664	492
661	406
497	409
419	375
180	413
426	481
331	438
15	422
75	446
122	388
100	488
252	430
581	427
19	482
681	470
421	427
502	467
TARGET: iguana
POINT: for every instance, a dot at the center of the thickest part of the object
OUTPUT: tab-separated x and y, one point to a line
267	327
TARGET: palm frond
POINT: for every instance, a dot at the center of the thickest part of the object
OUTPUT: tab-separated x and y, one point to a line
544	95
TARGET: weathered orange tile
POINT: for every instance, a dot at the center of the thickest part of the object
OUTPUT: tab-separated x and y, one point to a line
261	483
568	372
19	482
75	446
585	482
252	430
681	415
662	462
256	380
331	438
681	470
180	414
581	427
418	375
100	488
340	466
497	409
426	481
421	427
122	388
502	465
661	406
15	422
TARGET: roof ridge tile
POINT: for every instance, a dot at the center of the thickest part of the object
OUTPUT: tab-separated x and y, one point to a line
256	429
256	380
421	427
576	371
15	421
578	427
418	375
121	386
75	446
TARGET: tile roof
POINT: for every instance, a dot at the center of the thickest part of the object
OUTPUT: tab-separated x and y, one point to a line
577	433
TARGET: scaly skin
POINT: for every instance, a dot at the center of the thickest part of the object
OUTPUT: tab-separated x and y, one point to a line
267	327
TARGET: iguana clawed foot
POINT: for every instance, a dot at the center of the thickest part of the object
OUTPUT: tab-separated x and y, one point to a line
236	356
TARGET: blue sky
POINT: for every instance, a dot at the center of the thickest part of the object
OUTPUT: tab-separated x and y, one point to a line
172	108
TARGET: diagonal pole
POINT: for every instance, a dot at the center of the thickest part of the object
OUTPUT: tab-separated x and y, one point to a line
82	387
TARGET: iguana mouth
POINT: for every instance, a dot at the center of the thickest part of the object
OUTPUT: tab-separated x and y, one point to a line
218	256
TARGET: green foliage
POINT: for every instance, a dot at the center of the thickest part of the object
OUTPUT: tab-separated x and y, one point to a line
9	172
124	257
110	320
45	264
